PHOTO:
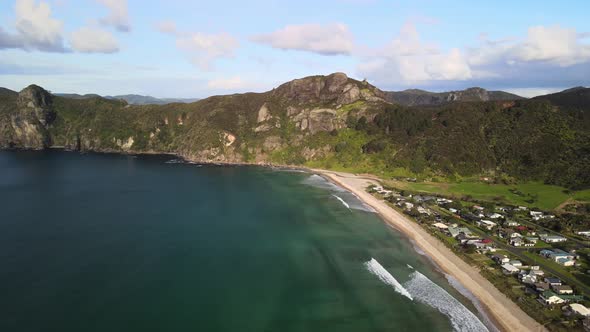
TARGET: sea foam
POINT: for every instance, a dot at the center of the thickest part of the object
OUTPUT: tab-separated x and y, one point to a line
349	199
343	202
375	268
425	291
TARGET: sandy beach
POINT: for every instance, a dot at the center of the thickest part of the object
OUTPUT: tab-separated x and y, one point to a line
507	315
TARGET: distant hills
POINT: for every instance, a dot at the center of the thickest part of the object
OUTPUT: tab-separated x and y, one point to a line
416	97
132	99
331	122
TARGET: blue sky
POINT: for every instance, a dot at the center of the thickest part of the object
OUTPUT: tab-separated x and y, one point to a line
180	48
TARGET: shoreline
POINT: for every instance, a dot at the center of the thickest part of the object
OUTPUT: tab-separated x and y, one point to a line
502	310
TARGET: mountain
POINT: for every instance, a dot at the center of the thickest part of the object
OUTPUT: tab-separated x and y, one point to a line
132	98
413	97
578	97
332	122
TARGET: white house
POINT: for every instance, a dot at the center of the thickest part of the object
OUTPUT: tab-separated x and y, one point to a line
552	238
509	269
496	216
486	224
584	233
548	297
579	309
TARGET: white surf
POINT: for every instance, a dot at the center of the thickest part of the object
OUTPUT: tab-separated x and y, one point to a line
375	268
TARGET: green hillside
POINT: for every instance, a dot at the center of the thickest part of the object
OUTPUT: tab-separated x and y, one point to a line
324	121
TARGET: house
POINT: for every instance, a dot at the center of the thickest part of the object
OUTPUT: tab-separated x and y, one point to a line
496	216
455	231
422	210
511	223
515	263
542	286
531	239
552	281
453	210
509	269
408	205
552	238
565	262
478	208
527	277
548	298
557	254
440	226
517	242
486	224
521	208
584	233
578	309
535	213
500	259
562	289
546	253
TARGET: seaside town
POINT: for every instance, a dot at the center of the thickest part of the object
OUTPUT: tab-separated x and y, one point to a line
523	251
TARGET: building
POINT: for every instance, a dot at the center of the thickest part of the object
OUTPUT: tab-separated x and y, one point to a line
565	262
509	269
562	289
517	242
552	238
440	226
584	233
552	281
496	216
486	224
500	259
549	298
578	309
516	263
511	223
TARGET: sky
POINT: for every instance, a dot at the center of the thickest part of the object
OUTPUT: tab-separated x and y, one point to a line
182	48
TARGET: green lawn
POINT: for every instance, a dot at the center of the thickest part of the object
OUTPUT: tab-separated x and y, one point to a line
532	194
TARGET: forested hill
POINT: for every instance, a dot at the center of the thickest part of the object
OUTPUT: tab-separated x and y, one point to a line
324	121
416	97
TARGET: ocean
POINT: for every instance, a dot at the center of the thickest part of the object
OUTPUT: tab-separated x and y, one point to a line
105	242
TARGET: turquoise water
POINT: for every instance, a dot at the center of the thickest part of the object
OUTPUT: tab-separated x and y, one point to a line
121	243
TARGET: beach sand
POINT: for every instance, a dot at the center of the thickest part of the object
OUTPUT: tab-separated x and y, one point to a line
506	314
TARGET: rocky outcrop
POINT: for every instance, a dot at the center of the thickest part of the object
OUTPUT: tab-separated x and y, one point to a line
336	89
32	118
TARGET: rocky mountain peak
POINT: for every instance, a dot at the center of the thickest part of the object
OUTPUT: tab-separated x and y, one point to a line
336	88
37	100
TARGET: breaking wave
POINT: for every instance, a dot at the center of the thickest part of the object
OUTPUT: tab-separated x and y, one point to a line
351	200
429	293
375	268
182	161
343	202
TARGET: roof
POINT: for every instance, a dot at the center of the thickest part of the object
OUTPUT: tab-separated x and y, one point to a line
580	309
440	225
510	268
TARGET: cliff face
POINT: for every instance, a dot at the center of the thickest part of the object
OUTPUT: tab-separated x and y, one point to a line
29	121
415	97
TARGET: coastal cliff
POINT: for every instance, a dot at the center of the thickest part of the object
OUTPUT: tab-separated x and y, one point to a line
330	122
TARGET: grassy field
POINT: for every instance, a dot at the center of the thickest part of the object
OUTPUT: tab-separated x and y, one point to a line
532	194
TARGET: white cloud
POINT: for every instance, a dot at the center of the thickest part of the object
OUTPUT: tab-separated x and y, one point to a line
35	28
408	60
204	49
330	39
92	40
118	15
553	44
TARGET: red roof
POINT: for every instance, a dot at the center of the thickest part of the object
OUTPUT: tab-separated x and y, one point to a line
486	241
521	228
